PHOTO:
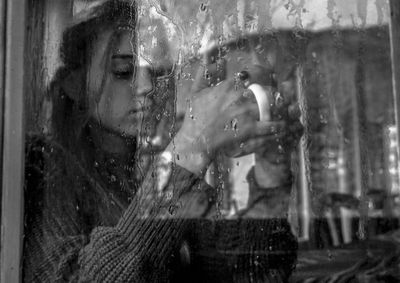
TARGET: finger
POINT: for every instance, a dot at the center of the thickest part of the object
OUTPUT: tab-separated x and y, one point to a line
238	149
263	128
257	107
254	74
258	74
260	83
244	108
252	145
247	135
251	129
240	146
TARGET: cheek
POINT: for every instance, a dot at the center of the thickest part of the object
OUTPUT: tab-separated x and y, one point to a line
112	103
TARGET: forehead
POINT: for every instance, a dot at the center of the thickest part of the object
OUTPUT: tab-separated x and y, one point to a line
152	38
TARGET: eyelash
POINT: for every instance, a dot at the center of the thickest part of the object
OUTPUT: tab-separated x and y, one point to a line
124	72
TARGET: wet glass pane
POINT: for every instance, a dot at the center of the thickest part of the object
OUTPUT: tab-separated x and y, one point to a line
214	141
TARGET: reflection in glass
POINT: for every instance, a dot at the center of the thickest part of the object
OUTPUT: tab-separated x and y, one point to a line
148	158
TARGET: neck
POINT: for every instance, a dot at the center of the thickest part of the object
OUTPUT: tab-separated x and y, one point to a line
112	143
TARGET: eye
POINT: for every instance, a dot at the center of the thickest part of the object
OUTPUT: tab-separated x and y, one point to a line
123	66
123	71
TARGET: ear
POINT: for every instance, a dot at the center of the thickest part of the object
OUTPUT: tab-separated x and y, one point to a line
74	84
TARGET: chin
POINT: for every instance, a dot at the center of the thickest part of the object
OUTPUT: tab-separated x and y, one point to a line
133	132
129	132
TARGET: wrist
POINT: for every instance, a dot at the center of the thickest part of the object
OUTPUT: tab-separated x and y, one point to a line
189	153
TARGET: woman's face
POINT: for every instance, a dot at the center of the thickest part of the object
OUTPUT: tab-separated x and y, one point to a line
121	85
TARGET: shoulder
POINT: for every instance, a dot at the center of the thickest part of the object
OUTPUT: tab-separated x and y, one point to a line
50	179
42	155
59	186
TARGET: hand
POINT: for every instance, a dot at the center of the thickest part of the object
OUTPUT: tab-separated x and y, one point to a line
224	116
273	161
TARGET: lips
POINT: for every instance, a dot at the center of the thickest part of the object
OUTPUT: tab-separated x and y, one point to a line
138	110
143	107
135	111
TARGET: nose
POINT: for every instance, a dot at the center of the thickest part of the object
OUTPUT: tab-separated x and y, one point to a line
143	82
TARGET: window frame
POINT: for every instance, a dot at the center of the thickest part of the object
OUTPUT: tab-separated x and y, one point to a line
12	29
394	30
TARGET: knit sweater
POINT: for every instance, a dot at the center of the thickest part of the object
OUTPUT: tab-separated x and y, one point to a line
78	231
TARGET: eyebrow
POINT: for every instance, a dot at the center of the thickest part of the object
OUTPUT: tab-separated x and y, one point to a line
122	56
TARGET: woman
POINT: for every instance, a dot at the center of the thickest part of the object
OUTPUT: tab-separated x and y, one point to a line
109	196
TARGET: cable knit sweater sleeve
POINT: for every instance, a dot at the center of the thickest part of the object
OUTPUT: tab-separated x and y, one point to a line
139	248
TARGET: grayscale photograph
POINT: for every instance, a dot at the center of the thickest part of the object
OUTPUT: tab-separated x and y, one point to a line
214	141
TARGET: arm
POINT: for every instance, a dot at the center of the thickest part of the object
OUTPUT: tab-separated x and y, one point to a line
52	236
154	223
139	247
56	234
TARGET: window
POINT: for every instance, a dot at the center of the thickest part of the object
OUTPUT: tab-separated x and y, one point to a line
136	130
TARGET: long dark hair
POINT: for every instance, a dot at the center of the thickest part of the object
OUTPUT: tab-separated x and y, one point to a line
68	89
70	95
